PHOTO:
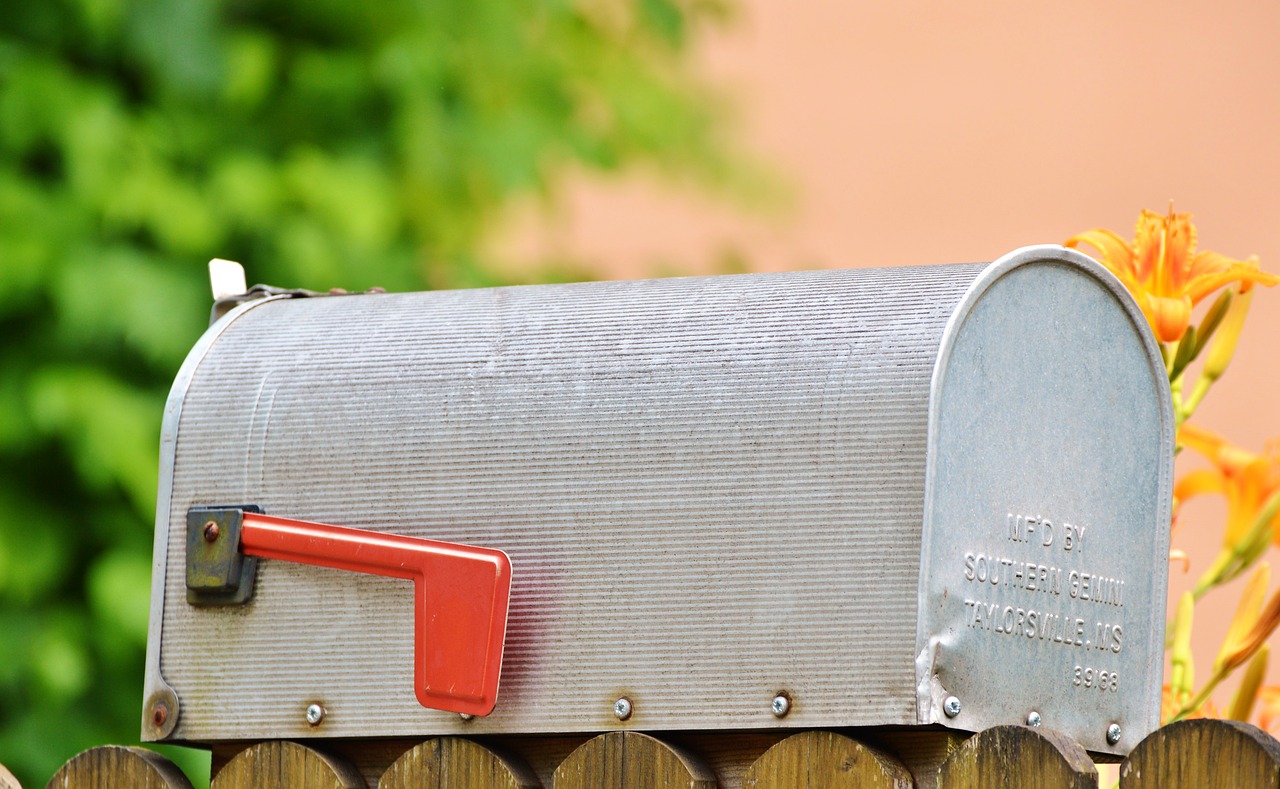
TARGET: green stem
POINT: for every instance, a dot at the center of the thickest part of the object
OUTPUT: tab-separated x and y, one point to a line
1175	389
1216	572
1197	394
1201	697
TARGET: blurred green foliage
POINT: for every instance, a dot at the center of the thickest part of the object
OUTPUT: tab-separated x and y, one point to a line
326	144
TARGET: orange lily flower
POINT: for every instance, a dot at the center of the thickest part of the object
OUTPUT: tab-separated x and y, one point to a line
1248	481
1165	273
1269	714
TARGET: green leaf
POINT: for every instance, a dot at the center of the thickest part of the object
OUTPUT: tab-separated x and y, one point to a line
119	298
34	560
59	657
109	427
252	69
119	587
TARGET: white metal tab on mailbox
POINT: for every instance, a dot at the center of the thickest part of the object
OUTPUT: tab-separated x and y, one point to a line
1046	508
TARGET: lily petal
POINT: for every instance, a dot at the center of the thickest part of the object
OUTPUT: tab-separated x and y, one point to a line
1203	263
1243	272
1198	483
1162	248
1170	317
1202	440
1269	716
1117	255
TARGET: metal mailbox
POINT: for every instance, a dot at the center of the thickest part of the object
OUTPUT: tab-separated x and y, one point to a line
911	496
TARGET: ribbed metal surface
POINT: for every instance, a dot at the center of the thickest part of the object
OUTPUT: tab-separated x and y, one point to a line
711	490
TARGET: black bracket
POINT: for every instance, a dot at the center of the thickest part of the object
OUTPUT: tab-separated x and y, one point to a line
217	572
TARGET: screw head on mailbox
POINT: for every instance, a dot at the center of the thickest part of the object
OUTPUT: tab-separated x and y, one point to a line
951	706
781	705
965	469
314	714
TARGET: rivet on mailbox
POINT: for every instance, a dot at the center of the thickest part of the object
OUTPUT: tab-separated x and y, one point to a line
878	489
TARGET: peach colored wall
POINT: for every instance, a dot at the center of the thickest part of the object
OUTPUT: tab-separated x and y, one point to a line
915	133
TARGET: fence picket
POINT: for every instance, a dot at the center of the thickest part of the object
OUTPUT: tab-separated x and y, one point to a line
286	765
1018	757
624	760
825	760
1203	753
456	763
114	766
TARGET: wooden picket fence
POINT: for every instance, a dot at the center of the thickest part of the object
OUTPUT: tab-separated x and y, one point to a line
1197	754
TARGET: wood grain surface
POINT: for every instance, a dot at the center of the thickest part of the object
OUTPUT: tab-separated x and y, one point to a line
825	760
115	767
457	763
1201	754
630	760
921	751
286	765
1018	757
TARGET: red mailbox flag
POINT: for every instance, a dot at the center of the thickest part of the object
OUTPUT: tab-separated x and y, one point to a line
461	598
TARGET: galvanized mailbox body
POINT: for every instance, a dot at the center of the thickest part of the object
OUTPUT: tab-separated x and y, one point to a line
870	491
